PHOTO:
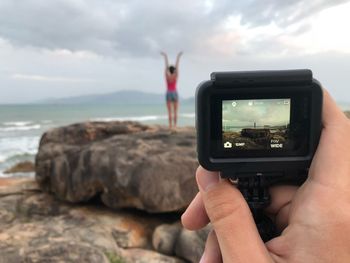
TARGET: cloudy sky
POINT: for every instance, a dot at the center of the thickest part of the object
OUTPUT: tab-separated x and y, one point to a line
244	113
66	48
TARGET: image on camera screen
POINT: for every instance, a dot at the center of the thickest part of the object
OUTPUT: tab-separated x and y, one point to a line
255	124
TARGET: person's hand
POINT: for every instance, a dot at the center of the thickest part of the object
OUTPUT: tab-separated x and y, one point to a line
163	54
180	54
315	217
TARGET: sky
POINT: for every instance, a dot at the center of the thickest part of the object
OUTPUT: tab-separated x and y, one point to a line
64	48
240	113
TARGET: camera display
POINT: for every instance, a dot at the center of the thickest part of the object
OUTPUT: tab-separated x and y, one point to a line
266	122
256	124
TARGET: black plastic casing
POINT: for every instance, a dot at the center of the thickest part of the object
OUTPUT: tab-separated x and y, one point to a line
250	83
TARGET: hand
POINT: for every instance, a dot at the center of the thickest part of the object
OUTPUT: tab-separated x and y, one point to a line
163	54
180	54
315	217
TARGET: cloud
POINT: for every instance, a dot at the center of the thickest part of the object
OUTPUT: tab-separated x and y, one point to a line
47	78
141	28
66	47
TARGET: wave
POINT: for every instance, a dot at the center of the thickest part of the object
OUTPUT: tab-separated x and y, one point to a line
20	128
17	123
142	118
46	121
188	115
133	118
3	175
12	149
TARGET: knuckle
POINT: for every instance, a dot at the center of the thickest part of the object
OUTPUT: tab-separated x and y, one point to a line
220	208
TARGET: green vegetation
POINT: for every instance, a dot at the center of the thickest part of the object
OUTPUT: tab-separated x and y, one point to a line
114	258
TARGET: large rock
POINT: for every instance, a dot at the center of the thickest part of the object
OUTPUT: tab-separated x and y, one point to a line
22	167
125	163
165	237
190	244
174	240
36	227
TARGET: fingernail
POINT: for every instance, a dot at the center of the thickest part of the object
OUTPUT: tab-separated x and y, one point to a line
207	180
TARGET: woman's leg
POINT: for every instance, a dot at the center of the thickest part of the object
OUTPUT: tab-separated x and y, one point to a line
168	104
175	105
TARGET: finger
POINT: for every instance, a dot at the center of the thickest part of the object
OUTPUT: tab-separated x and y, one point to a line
195	216
334	145
331	113
282	218
212	252
232	220
280	197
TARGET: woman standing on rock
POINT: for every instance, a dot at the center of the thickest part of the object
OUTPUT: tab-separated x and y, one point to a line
172	98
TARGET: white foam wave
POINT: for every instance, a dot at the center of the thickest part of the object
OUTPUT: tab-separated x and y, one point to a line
12	147
142	118
47	121
2	175
133	118
2	158
20	128
188	115
17	123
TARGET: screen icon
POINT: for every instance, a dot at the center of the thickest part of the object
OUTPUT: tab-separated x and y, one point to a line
234	104
227	145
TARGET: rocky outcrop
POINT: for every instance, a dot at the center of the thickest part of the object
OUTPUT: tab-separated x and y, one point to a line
174	240
22	167
84	170
125	164
37	227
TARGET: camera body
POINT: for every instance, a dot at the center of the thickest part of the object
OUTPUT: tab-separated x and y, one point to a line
258	123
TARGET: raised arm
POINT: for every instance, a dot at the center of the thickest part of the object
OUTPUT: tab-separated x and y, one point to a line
178	60
165	59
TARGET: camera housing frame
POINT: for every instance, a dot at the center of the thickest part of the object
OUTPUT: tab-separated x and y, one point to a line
295	84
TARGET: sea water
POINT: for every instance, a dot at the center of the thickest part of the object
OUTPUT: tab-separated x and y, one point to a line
21	126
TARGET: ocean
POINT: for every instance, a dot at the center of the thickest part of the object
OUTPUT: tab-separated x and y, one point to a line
21	126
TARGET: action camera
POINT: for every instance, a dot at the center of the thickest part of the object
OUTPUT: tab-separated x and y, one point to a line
258	122
258	129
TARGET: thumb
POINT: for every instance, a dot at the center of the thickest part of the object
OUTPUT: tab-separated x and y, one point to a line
231	218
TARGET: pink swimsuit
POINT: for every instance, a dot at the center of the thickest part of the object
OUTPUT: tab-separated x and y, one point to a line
171	86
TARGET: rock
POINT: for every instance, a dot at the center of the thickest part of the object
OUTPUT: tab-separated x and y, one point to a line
165	237
12	186
125	163
190	244
22	167
146	256
37	227
174	240
64	251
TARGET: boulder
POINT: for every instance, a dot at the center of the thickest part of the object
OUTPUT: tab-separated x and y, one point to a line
190	244
125	164
22	167
146	256
165	237
174	240
37	227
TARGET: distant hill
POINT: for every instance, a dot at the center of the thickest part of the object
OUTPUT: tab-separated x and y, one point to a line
118	97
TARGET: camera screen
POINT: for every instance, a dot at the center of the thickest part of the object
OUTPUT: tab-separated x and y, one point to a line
256	124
